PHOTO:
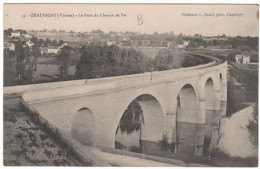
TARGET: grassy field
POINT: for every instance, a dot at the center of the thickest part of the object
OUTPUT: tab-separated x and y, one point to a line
28	144
149	51
247	67
242	89
221	52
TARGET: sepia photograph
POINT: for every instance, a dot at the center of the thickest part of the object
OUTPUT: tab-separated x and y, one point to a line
130	85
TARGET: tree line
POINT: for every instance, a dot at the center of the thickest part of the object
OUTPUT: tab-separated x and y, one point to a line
103	60
20	64
95	61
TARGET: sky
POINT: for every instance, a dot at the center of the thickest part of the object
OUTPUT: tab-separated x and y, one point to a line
149	18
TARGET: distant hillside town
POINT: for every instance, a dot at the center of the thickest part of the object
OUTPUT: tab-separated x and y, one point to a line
48	40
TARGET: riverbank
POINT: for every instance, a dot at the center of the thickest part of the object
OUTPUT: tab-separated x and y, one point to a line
217	159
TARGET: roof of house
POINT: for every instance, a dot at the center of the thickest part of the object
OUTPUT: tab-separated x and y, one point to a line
246	56
239	56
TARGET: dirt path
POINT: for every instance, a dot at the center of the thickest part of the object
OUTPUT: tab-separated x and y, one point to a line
127	161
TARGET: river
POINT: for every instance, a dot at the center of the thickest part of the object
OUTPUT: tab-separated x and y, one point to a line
227	134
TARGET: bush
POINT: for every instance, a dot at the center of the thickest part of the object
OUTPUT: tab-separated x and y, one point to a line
135	149
9	117
119	145
164	143
253	127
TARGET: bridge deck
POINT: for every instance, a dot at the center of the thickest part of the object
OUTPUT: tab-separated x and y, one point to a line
54	85
49	91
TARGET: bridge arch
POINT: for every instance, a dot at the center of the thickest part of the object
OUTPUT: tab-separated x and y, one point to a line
209	89
221	80
83	127
150	122
189	135
187	104
209	94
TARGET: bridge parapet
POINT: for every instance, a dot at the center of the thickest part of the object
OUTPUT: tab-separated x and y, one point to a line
53	85
92	86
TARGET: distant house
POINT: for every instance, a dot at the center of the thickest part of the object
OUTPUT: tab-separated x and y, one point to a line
15	34
26	36
169	45
186	43
44	50
246	59
125	38
109	43
9	46
180	46
29	43
53	49
239	58
242	58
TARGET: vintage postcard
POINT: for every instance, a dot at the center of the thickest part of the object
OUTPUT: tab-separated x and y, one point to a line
140	85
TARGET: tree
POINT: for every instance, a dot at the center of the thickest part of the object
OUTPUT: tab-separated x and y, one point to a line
29	65
34	40
9	69
20	64
24	64
61	42
132	118
23	32
53	31
47	42
8	32
97	31
43	30
54	42
41	42
164	60
36	53
253	127
102	61
64	58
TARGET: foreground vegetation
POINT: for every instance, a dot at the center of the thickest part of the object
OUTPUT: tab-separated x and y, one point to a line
29	144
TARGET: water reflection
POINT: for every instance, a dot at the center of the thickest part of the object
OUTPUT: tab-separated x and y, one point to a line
188	138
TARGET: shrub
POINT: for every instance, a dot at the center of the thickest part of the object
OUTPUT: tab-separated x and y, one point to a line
164	143
119	145
135	149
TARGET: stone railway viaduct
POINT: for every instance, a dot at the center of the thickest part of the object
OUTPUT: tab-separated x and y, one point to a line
90	110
